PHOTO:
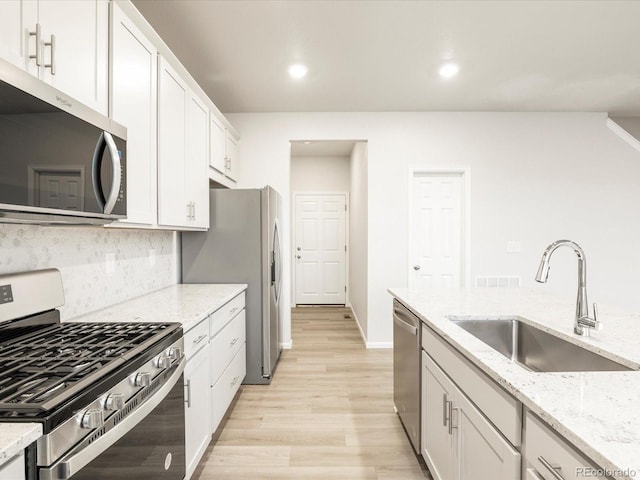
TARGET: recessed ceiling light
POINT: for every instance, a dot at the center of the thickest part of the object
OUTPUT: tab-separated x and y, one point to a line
449	70
298	70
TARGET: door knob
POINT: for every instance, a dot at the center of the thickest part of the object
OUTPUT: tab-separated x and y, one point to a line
416	267
297	256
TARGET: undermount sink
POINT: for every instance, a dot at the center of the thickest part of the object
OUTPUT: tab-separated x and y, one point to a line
533	348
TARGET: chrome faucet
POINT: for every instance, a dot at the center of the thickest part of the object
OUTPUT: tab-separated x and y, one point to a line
583	323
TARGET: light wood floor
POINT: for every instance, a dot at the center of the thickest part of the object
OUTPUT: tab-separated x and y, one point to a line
327	415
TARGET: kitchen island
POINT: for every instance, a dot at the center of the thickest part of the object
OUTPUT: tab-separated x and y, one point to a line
596	411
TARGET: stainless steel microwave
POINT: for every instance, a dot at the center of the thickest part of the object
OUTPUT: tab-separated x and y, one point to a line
60	161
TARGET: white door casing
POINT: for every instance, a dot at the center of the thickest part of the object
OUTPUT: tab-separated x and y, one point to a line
437	229
320	249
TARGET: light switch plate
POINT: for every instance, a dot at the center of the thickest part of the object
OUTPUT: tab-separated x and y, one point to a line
514	246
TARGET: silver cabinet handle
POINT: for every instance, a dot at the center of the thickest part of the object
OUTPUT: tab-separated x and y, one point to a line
38	54
234	381
200	338
445	409
116	170
233	310
234	341
188	399
451	425
194	210
553	469
51	43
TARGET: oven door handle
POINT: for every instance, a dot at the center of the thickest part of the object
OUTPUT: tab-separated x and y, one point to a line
69	465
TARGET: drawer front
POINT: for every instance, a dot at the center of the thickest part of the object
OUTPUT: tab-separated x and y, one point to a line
221	317
503	410
14	468
196	338
546	451
226	344
226	387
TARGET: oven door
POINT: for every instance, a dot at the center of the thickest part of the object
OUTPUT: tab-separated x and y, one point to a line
148	444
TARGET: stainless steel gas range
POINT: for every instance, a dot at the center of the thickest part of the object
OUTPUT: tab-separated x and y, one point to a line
109	396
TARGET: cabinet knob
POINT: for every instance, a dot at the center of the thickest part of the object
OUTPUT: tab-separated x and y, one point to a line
416	267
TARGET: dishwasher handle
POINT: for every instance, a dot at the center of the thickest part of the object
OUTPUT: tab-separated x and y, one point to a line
397	320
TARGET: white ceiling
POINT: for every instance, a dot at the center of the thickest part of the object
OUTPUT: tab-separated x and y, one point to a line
534	55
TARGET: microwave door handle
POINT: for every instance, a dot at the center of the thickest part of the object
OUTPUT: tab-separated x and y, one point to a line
116	173
96	166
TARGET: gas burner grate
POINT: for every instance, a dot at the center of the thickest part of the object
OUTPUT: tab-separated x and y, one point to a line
44	369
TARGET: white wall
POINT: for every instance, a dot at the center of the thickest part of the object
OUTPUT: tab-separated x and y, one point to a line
535	178
358	235
320	174
80	254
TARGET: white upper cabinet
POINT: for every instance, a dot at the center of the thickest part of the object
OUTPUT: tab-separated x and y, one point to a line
232	157
68	41
197	181
183	147
223	155
134	71
218	152
173	97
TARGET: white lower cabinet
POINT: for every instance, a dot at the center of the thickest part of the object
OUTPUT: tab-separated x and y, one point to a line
549	456
13	469
197	411
458	441
226	386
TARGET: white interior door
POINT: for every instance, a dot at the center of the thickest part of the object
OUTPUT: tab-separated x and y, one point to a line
320	249
436	230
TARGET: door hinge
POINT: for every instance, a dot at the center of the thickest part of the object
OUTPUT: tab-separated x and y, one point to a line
345	207
345	289
345	248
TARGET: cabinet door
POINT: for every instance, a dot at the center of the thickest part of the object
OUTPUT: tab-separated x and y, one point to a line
80	54
134	96
232	157
197	180
481	452
173	207
17	19
437	442
218	151
197	408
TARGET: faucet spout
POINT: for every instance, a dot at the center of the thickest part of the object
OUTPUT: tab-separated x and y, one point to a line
582	307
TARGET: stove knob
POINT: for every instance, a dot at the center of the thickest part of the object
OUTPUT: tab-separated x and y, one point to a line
162	361
142	379
92	419
175	353
114	401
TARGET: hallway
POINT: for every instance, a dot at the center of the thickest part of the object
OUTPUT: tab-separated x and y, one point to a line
327	415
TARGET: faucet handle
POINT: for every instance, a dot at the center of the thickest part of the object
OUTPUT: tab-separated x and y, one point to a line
598	324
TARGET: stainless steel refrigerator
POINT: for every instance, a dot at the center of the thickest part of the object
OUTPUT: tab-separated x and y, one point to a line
242	245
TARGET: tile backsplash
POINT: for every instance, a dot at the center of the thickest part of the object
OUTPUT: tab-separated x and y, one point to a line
99	266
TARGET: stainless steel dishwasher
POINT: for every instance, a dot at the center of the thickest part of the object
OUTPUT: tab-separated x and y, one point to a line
406	370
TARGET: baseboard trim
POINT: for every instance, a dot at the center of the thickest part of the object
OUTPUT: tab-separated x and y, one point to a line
379	344
287	345
355	317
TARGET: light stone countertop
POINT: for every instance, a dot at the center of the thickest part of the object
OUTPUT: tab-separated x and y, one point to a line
184	303
187	304
599	412
15	437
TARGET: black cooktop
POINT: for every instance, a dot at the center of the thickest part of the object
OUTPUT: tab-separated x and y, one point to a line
42	368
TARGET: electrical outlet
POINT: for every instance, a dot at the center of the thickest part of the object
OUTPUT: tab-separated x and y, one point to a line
514	246
111	263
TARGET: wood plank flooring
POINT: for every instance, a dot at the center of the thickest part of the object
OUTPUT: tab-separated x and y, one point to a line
327	415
